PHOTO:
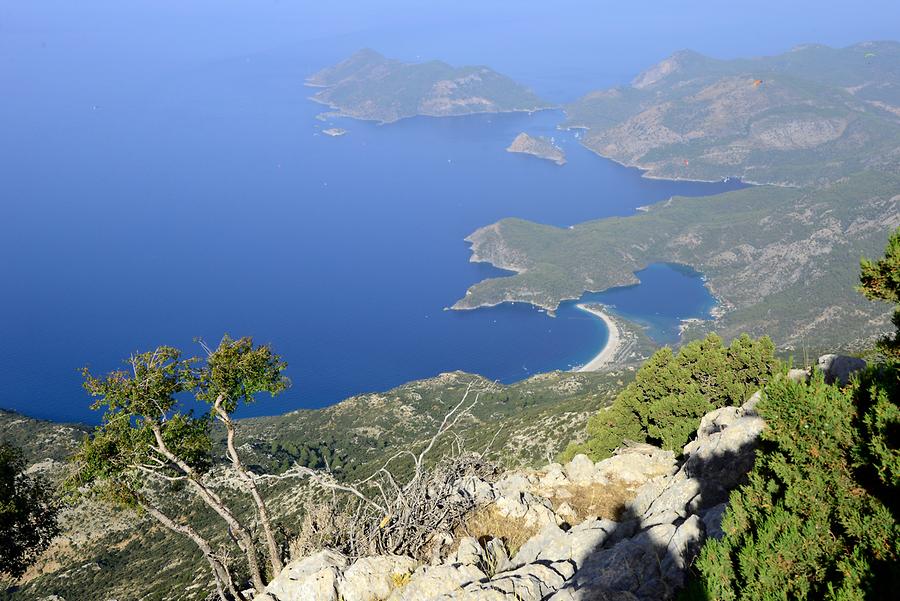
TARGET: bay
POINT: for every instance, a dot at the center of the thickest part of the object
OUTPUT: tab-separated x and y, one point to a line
164	177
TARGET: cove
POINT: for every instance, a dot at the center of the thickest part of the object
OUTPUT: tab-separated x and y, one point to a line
667	295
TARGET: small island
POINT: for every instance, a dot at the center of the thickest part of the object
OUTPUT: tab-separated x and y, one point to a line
541	147
334	132
372	87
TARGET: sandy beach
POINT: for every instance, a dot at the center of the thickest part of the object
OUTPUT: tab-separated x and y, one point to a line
608	352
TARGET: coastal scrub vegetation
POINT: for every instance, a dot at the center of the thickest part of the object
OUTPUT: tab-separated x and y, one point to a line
672	391
817	518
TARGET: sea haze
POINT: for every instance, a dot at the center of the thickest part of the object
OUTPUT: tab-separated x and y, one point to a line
159	184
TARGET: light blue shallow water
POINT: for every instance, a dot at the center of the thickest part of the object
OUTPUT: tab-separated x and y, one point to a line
163	177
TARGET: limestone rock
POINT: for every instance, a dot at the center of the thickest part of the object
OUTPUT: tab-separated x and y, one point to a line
553	476
374	578
589	593
566	512
531	509
723	451
580	470
553	544
478	490
637	464
312	577
512	485
430	582
496	556
532	582
839	368
712	521
469	552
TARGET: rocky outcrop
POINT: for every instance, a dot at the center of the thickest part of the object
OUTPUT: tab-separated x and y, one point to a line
667	509
541	147
839	368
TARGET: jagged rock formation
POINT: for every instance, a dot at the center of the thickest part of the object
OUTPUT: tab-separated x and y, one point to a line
636	545
622	529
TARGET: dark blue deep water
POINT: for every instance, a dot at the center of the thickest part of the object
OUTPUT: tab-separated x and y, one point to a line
162	176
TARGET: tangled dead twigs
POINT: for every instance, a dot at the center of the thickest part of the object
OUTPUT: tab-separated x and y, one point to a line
386	513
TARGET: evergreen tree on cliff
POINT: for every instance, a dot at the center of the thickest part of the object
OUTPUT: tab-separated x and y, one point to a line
148	447
28	513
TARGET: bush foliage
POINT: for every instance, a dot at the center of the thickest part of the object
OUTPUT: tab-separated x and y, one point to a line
817	518
813	520
28	514
672	391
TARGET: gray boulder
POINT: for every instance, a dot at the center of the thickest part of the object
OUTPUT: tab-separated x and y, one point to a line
374	578
552	544
839	368
723	451
431	582
532	582
580	470
637	464
712	521
313	577
469	552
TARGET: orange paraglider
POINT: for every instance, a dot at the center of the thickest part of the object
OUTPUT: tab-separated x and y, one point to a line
757	83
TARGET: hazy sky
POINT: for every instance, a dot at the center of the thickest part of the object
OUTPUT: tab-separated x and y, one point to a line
603	42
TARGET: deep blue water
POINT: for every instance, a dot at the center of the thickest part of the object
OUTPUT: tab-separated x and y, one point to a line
162	177
666	295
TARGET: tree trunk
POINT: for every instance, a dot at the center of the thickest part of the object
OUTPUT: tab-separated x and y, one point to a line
274	553
216	504
220	572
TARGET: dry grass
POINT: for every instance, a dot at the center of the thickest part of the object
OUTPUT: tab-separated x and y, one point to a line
487	522
604	501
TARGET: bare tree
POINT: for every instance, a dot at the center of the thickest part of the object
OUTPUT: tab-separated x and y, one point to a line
387	514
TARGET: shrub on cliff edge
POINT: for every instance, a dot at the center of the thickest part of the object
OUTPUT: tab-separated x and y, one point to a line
672	391
817	518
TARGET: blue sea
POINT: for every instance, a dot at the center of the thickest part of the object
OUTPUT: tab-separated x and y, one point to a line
163	177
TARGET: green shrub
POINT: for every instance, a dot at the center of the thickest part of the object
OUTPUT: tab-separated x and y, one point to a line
672	391
807	525
880	281
817	518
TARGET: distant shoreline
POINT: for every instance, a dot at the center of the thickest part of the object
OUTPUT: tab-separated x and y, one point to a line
606	355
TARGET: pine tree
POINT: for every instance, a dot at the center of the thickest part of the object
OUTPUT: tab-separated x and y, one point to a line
880	281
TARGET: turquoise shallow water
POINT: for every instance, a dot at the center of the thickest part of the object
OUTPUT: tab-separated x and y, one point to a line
164	177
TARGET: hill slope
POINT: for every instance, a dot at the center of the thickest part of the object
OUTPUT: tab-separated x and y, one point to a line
809	116
109	554
369	86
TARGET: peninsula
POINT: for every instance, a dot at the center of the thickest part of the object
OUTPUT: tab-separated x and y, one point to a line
820	126
540	146
372	87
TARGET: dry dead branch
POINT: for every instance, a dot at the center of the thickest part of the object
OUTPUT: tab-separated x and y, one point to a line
386	513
